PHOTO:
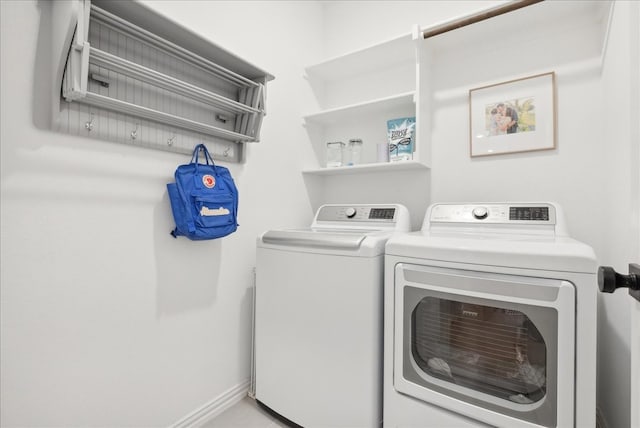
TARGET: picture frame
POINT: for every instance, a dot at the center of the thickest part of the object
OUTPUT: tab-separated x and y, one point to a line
514	116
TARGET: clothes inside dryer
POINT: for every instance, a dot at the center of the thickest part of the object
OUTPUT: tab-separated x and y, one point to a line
488	349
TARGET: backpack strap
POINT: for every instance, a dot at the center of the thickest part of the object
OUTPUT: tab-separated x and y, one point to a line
195	162
207	157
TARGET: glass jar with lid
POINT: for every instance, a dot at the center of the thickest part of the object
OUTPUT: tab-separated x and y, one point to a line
335	151
354	152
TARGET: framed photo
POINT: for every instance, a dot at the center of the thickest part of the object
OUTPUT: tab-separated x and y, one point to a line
514	116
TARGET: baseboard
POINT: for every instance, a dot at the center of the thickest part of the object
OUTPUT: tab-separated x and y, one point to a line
214	407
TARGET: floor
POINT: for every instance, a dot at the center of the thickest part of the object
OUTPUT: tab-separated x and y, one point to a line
245	414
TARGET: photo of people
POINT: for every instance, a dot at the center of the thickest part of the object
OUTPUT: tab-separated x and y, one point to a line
514	116
510	117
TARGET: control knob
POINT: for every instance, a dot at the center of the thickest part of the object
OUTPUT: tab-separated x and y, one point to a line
480	213
350	212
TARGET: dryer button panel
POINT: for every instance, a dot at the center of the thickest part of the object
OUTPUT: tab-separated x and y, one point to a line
494	213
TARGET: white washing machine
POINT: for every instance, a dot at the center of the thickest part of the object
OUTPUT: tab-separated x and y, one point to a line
490	319
318	316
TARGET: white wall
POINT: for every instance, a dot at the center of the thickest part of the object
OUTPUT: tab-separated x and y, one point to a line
106	319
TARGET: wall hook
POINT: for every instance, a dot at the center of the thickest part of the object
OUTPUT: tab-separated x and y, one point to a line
171	140
89	125
134	133
225	153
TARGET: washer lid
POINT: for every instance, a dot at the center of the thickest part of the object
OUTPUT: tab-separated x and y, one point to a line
333	240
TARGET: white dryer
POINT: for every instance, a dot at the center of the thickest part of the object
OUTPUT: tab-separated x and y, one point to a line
318	333
490	319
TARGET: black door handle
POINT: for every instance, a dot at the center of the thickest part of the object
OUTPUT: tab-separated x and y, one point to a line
609	280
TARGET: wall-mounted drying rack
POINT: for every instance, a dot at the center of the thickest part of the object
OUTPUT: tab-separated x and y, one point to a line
132	76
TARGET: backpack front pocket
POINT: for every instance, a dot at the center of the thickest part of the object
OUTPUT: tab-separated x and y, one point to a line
215	211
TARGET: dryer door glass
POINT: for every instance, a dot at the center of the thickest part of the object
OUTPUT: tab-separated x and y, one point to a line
485	339
489	349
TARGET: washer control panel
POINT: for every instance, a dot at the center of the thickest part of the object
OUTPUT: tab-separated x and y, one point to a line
357	213
520	213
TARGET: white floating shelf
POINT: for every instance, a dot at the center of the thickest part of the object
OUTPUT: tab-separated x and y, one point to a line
361	109
367	168
363	61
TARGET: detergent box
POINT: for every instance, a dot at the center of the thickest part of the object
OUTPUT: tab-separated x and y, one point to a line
401	136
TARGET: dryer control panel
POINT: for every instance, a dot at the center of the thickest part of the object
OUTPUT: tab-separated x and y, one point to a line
501	213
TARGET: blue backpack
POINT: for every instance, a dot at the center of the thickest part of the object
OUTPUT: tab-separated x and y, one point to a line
204	199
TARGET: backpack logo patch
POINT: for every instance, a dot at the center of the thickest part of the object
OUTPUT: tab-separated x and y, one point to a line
208	181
